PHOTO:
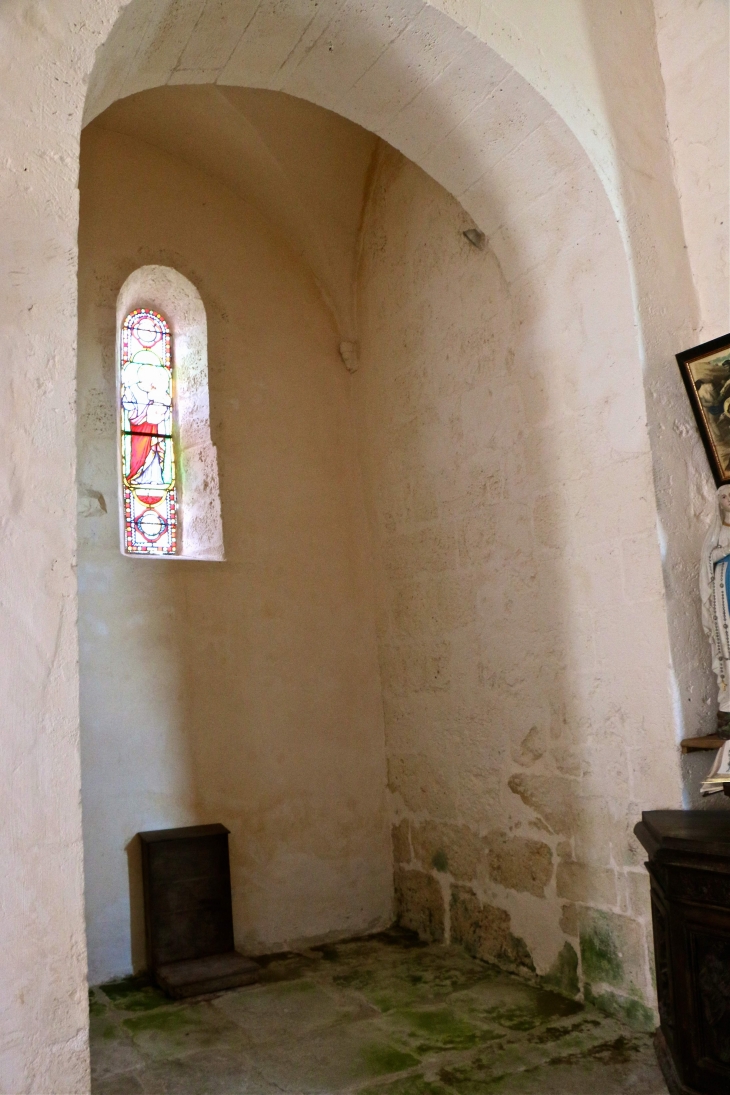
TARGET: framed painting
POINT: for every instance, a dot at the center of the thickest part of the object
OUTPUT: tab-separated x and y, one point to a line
706	373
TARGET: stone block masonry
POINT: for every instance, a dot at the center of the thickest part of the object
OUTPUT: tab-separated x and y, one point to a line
504	589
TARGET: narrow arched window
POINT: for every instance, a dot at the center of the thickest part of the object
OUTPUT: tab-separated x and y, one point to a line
169	502
149	480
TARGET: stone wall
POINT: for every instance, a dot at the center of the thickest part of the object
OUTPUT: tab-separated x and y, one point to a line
518	605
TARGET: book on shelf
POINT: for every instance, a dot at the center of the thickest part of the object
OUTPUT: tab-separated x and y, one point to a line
719	773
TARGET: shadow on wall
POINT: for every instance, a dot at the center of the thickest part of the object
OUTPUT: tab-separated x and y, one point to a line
507	479
137	936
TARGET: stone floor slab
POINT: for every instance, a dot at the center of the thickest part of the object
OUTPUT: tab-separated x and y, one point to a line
626	1066
171	1032
333	1060
381	1016
120	1083
278	1011
389	978
211	1072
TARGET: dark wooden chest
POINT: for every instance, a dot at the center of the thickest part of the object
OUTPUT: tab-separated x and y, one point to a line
689	865
188	911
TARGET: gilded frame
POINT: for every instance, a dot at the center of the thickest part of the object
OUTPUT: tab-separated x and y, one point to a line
705	371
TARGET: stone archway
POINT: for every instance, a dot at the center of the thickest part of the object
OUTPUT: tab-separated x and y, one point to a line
447	102
583	480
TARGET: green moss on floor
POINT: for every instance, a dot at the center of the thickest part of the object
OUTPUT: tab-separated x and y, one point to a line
164	1021
96	1007
440	1028
381	1016
134	994
383	1059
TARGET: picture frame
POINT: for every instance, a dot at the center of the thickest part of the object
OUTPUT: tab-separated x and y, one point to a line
705	371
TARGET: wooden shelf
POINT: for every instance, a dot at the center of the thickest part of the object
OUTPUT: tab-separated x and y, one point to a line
692	745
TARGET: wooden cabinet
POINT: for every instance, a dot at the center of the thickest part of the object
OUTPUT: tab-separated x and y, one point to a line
689	865
188	912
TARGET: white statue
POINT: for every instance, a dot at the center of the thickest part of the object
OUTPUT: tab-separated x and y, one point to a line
715	593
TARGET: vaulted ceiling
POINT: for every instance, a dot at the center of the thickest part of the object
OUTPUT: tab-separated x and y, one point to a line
305	168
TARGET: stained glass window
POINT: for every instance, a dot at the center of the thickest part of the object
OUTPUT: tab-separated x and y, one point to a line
148	453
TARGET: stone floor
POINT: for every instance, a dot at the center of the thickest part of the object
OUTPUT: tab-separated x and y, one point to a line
382	1016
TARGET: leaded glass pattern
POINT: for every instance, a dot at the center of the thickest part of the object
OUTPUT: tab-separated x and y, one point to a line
148	448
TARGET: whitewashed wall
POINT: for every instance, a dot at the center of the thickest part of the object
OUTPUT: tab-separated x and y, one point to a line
693	38
244	691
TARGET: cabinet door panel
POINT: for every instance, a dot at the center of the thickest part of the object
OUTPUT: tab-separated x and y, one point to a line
663	963
706	938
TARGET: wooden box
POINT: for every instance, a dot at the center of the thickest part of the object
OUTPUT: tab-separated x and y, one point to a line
188	911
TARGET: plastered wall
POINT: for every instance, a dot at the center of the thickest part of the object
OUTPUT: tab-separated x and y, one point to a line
509	500
244	691
645	89
693	39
